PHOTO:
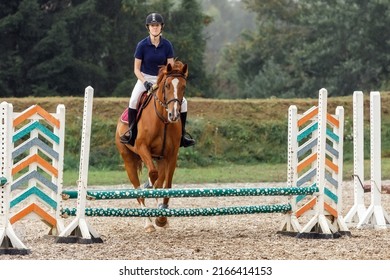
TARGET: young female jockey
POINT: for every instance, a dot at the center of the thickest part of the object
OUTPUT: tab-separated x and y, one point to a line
152	52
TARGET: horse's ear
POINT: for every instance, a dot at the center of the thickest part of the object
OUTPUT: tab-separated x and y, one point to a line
169	68
185	70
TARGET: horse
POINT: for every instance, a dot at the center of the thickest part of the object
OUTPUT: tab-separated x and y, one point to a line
158	138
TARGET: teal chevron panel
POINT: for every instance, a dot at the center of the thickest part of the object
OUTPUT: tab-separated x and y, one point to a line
37	192
307	131
332	135
31	127
331	195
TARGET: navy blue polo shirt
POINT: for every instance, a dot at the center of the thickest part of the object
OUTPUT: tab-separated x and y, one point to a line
152	57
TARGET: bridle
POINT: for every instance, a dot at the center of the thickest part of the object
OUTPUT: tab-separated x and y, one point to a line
165	103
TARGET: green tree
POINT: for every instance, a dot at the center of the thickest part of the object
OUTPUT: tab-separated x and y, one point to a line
302	46
20	28
345	48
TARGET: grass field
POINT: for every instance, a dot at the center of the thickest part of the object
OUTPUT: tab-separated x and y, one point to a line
216	174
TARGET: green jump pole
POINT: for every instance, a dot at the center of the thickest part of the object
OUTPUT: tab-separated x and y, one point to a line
180	212
159	193
3	181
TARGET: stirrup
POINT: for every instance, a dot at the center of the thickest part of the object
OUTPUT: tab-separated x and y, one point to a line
187	141
126	137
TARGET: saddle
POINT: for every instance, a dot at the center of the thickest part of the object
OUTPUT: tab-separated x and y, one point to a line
143	101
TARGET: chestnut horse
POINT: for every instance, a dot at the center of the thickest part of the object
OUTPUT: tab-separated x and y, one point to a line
159	133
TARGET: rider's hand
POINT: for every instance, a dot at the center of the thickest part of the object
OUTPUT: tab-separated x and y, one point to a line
148	85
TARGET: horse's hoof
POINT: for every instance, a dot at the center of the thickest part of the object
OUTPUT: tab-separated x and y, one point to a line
150	228
162	222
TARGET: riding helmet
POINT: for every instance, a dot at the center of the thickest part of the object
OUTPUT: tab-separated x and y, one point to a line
154	18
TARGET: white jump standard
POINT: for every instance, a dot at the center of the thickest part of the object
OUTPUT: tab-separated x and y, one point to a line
315	156
374	216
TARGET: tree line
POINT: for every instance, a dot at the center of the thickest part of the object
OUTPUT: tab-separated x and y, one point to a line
292	49
58	47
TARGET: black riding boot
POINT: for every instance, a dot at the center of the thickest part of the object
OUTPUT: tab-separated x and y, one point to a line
131	134
186	140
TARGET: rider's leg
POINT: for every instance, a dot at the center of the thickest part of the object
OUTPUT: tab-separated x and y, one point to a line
129	136
139	88
186	140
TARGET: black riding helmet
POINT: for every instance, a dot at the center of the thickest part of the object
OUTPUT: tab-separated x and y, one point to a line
154	18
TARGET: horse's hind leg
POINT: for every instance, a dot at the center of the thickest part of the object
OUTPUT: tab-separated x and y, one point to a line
149	227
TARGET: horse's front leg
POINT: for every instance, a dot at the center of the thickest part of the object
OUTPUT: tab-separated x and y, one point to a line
146	157
168	169
161	204
132	164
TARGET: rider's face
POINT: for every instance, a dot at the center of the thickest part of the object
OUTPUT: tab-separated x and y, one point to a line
155	28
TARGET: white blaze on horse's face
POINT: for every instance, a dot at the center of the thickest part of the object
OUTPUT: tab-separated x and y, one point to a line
174	111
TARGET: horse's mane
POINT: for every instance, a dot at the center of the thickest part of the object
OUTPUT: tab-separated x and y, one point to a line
176	68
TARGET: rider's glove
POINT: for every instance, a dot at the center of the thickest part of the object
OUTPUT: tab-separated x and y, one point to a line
148	85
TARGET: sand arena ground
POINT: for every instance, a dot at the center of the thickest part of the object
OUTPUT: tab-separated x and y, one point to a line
243	237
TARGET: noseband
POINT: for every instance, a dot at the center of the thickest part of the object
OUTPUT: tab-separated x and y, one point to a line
165	103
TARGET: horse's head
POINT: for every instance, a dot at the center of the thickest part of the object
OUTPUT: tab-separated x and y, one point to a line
172	83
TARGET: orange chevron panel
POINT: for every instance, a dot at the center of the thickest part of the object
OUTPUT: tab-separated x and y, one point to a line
331	210
38	159
36	209
307	117
306	207
332	120
332	166
36	109
306	162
